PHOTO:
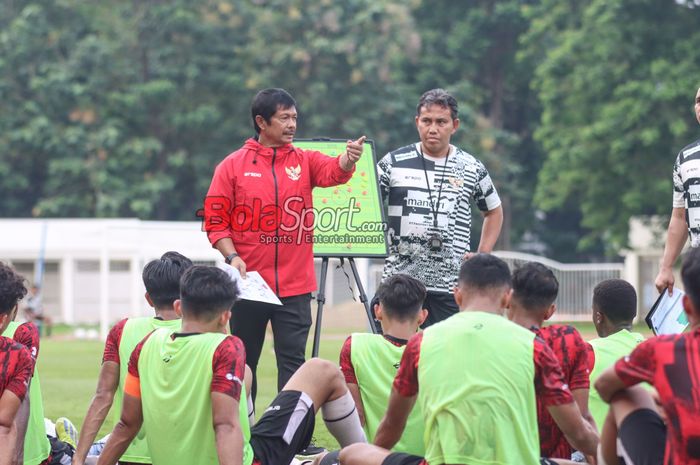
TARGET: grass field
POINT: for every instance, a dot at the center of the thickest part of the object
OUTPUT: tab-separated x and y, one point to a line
69	370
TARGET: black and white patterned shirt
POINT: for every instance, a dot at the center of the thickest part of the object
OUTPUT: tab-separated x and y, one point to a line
410	217
686	188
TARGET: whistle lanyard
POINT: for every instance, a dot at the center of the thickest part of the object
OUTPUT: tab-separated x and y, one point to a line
434	208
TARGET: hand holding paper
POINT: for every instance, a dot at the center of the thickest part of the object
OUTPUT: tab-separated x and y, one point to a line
253	287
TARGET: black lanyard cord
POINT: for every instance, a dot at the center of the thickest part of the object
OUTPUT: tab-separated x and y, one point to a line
434	208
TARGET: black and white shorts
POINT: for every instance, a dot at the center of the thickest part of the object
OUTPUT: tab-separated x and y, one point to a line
285	428
641	438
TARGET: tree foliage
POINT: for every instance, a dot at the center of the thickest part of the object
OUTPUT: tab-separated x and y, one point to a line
615	87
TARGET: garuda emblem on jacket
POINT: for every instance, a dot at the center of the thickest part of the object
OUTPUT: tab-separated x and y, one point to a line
293	173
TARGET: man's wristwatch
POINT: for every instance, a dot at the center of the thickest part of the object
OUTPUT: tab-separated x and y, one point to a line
230	257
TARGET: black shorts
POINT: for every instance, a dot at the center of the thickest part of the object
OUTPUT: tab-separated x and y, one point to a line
285	428
399	458
440	306
642	438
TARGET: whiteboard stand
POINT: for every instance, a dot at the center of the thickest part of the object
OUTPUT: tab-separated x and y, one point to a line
321	299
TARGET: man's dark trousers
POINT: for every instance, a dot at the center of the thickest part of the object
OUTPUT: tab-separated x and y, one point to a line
290	327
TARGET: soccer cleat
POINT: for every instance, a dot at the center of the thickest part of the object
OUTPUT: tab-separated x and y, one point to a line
311	450
66	432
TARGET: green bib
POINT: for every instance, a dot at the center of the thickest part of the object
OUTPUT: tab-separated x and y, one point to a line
607	351
135	329
176	377
376	361
476	377
36	445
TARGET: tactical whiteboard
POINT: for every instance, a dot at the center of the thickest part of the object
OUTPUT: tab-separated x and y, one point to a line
349	217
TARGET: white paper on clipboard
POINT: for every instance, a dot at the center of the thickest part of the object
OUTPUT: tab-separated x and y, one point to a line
667	316
253	287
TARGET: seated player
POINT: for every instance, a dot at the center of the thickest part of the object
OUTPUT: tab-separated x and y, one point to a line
161	277
16	367
535	289
33	447
614	310
475	376
186	390
369	361
671	364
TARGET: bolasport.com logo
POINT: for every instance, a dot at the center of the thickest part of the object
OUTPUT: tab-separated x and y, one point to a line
292	222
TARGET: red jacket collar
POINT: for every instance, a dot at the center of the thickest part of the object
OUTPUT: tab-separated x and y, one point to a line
257	147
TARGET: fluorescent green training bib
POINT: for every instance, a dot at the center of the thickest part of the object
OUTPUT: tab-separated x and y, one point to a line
36	445
376	362
477	392
135	329
607	351
176	377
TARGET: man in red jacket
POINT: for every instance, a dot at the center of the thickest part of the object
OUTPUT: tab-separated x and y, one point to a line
258	214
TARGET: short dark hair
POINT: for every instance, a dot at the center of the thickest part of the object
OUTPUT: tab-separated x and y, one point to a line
12	288
438	97
267	101
484	272
534	286
401	296
161	277
206	292
616	299
690	275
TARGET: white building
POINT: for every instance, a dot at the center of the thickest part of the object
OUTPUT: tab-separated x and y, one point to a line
92	267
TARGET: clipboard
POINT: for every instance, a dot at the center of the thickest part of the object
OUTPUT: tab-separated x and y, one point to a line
667	315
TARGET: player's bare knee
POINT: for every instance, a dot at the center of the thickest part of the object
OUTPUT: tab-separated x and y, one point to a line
348	454
323	369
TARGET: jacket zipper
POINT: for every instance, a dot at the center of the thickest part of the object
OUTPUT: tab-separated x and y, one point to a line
277	229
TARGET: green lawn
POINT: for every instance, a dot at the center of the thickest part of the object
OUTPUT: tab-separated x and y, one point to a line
69	370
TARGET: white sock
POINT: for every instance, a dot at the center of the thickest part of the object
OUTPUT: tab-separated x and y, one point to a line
251	410
342	420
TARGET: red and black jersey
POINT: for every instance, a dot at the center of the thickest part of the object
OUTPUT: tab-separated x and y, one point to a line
27	334
111	352
228	364
672	365
572	353
16	367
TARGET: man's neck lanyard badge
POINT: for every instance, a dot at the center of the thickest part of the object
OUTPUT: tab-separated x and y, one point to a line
435	240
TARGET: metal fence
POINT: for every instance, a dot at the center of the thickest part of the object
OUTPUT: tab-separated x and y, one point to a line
576	281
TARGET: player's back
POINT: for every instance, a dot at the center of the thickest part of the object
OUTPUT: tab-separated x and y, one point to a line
133	330
605	351
476	373
673	363
572	353
176	377
375	361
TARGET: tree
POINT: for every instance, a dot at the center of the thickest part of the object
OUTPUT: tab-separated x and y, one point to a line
615	91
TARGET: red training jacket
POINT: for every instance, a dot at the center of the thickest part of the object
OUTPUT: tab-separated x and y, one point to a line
260	197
